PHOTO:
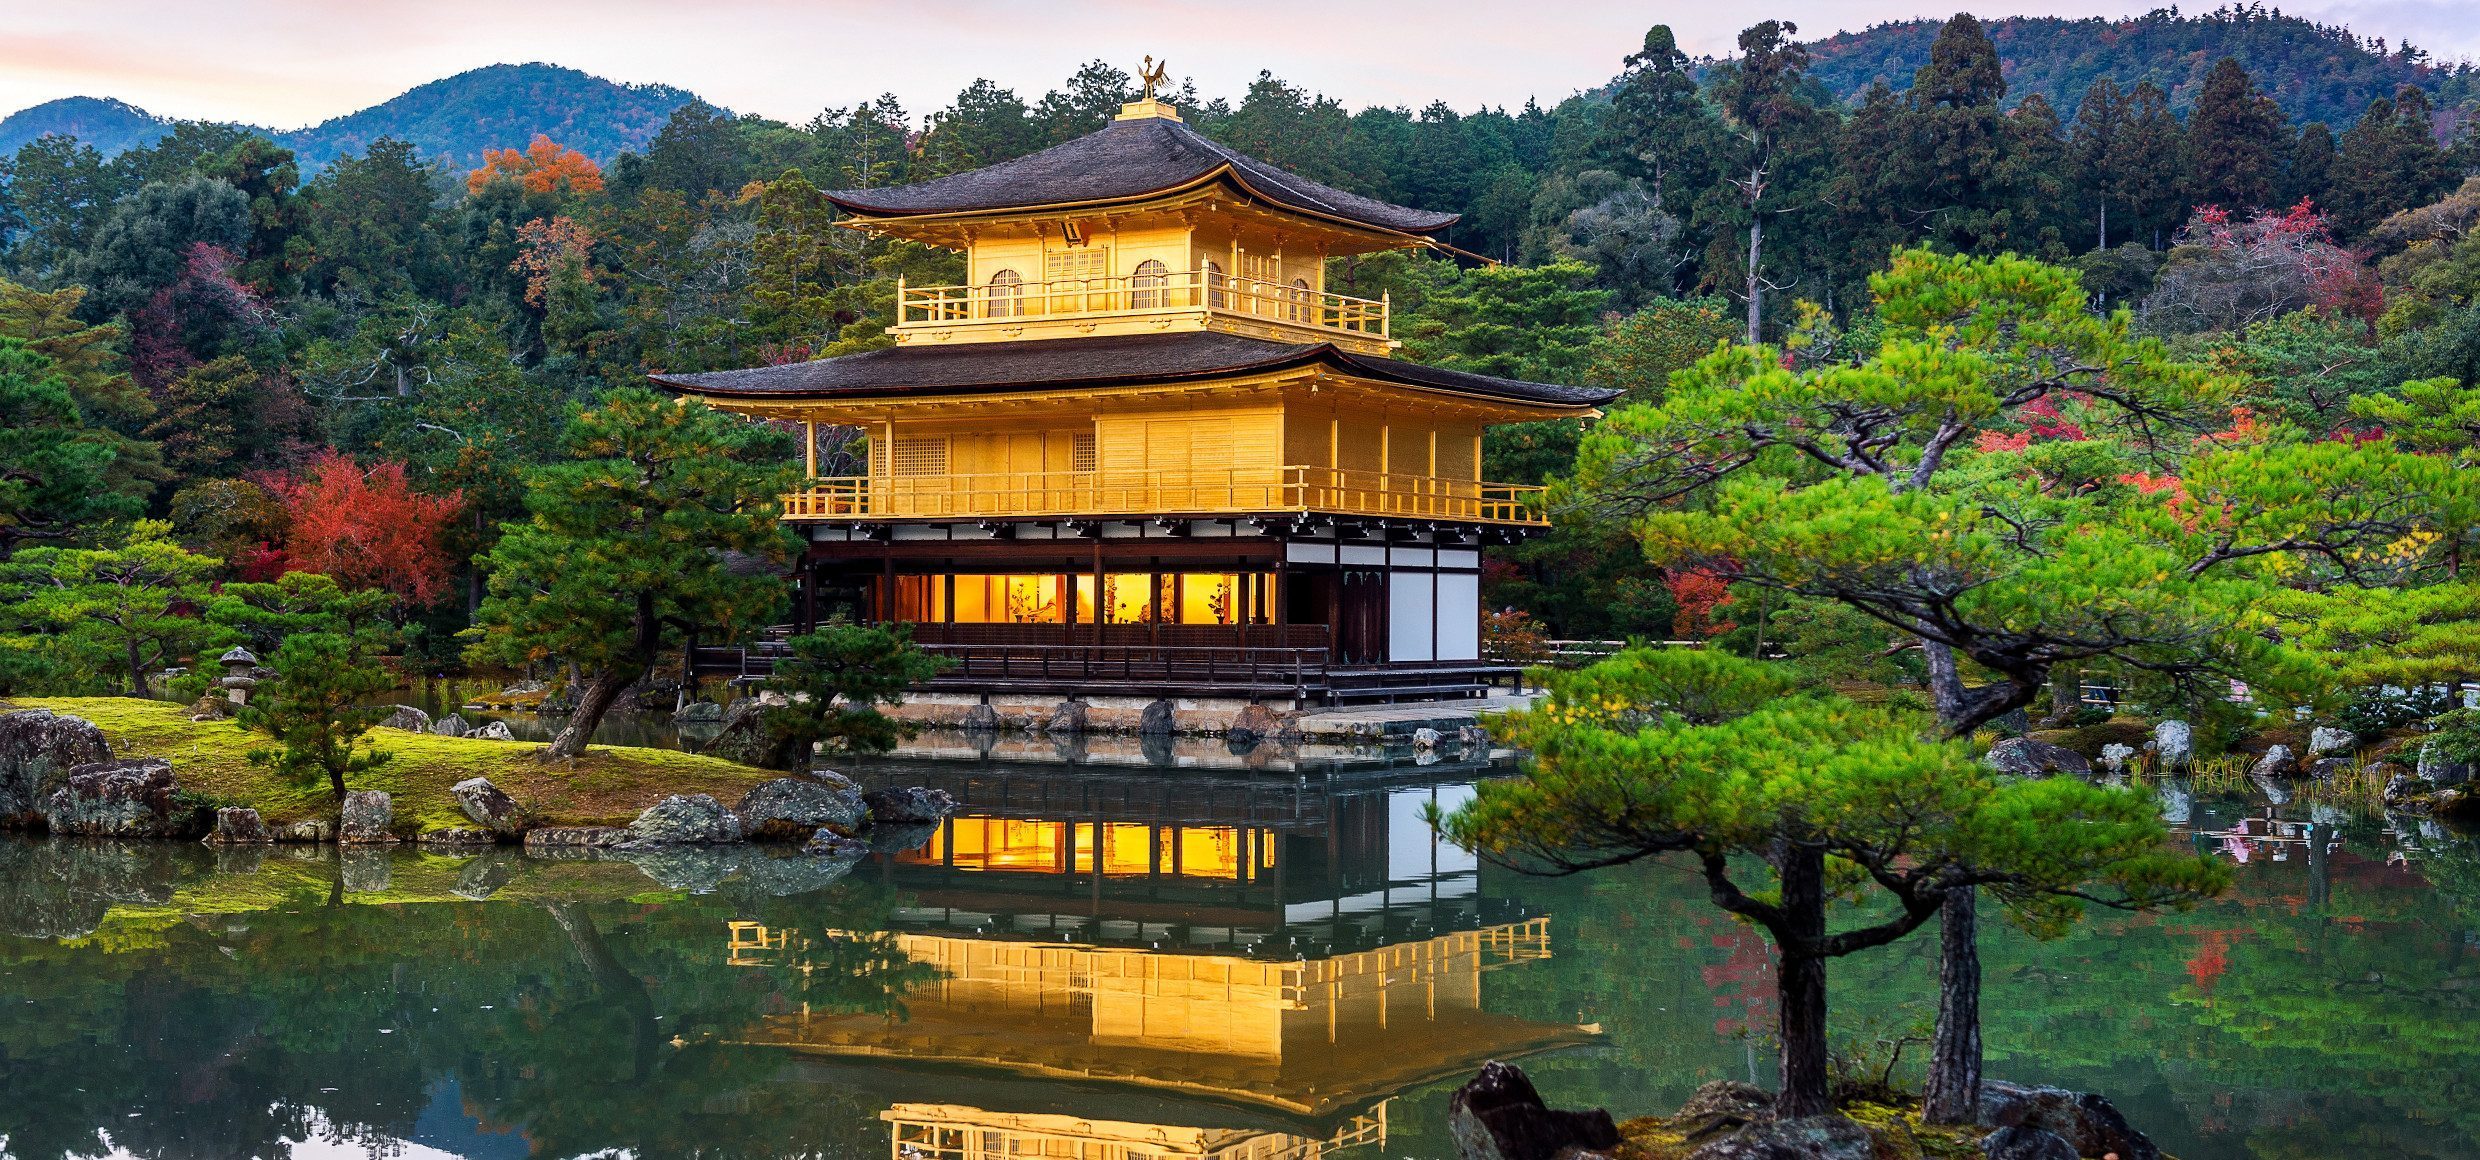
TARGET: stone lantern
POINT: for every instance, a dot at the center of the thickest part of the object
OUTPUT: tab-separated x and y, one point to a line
237	680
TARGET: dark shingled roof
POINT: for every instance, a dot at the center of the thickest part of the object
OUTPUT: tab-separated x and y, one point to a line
968	368
1130	159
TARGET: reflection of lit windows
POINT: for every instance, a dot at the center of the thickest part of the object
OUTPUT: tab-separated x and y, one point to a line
1211	852
1209	598
997	844
1008	600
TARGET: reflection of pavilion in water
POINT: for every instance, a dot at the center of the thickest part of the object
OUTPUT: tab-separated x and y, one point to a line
1242	949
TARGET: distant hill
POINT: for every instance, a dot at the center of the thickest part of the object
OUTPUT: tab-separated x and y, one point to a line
2316	72
110	126
496	107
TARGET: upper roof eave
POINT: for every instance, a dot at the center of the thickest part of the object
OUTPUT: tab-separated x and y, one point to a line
867	218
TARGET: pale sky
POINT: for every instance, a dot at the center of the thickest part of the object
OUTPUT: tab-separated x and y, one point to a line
289	63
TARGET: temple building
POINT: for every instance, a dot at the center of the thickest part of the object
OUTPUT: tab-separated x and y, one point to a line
1143	448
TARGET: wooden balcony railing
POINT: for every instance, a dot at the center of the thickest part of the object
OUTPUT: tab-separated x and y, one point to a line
1079	298
1233	491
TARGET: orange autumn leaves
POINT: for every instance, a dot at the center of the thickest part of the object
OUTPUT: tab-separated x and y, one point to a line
541	167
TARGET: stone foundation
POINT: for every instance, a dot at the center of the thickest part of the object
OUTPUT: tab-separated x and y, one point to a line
1034	713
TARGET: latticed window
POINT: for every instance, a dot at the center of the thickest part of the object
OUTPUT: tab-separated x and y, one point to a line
1301	298
1218	295
1146	291
1073	276
1082	455
1007	294
917	457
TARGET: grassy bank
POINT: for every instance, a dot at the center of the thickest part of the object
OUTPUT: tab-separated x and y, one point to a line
607	786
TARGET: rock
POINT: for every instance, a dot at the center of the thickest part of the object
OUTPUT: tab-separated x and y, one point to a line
2089	1123
1828	1137
898	839
1498	1116
574	837
451	725
2436	769
782	877
2029	758
1159	719
1425	739
2408	793
524	689
684	820
238	826
1473	739
2276	762
494	731
210	708
1067	719
743	738
2274	791
488	806
696	869
914	806
982	716
368	816
483	877
310	831
2326	767
2324	739
365	871
2114	756
1253	723
2019	1143
1727	1098
409	719
127	798
456	836
792	808
2174	743
698	712
37	749
52	890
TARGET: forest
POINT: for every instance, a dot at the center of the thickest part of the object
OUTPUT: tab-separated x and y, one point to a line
220	365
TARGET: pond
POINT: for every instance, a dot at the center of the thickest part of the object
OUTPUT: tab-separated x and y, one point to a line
1235	956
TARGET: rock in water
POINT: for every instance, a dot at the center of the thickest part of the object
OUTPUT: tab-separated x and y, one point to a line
451	725
1425	739
2174	743
368	816
1253	723
364	871
2089	1123
409	719
744	737
2026	1144
1828	1137
574	837
696	869
495	731
1067	719
829	844
2324	739
1159	719
2029	758
684	820
821	863
484	876
981	716
37	749
913	806
1498	1116
2437	769
238	826
2114	756
487	806
2276	762
129	798
1474	739
698	712
316	830
792	808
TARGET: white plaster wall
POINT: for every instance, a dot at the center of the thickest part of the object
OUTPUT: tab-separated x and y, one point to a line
1408	618
1459	616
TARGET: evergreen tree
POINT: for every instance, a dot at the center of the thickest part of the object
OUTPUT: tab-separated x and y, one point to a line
317	711
834	682
56	483
2311	173
60	190
1660	130
985	126
1774	143
119	612
147	244
368	229
2236	141
1087	102
2153	166
2390	161
2097	149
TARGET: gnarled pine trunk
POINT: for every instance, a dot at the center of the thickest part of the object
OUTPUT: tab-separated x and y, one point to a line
1801	1023
599	697
1953	1091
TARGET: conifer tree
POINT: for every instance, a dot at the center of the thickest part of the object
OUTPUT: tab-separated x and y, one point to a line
2097	148
1660	129
2390	161
2236	140
2152	166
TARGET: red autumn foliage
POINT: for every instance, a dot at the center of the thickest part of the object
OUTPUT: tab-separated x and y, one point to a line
541	167
553	246
1698	592
366	528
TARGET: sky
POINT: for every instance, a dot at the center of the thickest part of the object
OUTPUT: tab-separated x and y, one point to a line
289	63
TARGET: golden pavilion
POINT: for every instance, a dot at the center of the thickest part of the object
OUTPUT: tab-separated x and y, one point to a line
1143	448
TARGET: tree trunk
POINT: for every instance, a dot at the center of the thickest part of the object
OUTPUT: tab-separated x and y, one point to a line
616	981
2066	695
1953	1092
2105	223
1756	285
1801	989
1945	682
137	669
600	694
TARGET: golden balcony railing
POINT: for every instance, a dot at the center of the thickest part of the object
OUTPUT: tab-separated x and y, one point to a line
1145	492
1135	294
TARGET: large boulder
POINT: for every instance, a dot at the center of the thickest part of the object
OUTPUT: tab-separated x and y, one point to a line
1499	1116
2174	744
452	725
314	830
1827	1137
2277	762
2325	739
744	737
981	718
239	826
37	749
368	816
684	820
793	808
2090	1124
128	798
2437	769
698	713
492	731
407	718
2020	1143
1253	723
1724	1103
574	837
1160	719
488	806
908	806
1067	719
2114	756
2029	758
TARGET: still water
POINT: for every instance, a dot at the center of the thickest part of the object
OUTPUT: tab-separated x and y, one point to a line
1141	955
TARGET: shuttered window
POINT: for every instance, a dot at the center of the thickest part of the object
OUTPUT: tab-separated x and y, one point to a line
918	456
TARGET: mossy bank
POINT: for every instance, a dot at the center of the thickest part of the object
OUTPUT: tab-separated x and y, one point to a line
607	786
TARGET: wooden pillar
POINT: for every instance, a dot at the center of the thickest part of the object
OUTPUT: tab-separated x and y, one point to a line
809	447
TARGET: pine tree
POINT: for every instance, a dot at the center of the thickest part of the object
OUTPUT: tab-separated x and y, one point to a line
2310	176
1774	142
1660	130
2097	149
2388	162
1955	142
2152	165
2236	139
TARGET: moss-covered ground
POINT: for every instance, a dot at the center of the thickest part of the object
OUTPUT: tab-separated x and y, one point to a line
609	785
1896	1131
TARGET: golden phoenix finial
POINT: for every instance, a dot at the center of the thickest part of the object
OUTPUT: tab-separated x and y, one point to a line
1153	74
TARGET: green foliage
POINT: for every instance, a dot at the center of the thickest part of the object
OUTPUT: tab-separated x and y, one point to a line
834	682
108	616
143	247
1526	322
1639	353
317	710
57	483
